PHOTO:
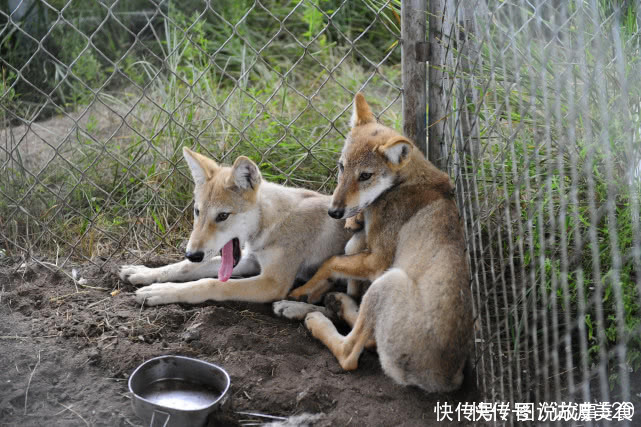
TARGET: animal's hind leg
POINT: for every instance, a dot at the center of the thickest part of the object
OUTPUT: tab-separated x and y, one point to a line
354	287
346	349
345	308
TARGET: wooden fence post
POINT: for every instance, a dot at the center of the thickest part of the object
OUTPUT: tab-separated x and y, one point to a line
413	57
440	30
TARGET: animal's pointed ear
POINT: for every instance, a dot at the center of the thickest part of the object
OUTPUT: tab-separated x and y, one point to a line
202	167
245	173
362	114
396	151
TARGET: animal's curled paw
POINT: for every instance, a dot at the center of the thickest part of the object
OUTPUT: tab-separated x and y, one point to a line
355	223
310	297
334	302
297	295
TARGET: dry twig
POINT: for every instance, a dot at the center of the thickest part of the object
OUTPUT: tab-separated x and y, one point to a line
26	393
71	409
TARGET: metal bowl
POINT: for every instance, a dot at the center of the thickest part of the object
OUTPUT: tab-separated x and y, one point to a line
178	391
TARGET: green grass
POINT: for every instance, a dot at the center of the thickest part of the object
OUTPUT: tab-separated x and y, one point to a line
118	183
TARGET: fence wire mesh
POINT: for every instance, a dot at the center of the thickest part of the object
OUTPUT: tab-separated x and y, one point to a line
542	102
98	98
543	138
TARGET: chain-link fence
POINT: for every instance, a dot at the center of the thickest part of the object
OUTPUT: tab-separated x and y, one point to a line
98	98
542	134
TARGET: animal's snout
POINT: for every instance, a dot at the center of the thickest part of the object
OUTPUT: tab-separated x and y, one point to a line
195	256
336	213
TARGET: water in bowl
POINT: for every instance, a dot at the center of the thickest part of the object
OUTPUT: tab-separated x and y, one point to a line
180	394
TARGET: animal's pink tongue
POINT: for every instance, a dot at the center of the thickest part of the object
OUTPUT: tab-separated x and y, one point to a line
227	262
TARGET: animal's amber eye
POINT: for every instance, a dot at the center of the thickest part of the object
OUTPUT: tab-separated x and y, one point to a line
222	216
364	176
196	211
341	167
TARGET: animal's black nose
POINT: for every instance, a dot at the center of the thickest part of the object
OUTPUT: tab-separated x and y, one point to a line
195	256
336	213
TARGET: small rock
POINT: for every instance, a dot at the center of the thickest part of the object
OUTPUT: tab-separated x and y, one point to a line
94	355
190	335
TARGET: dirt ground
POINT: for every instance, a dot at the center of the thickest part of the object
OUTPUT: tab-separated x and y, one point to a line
65	357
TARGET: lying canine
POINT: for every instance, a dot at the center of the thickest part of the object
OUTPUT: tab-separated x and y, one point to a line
417	309
285	234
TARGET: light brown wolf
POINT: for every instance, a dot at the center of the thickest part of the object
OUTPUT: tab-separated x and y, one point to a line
285	233
418	308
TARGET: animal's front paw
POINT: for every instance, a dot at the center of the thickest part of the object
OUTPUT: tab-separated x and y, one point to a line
356	222
297	295
159	293
295	310
137	274
300	294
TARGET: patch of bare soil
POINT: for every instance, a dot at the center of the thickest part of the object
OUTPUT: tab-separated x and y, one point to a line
65	357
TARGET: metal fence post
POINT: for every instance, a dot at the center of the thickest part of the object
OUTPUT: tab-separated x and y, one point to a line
413	57
440	26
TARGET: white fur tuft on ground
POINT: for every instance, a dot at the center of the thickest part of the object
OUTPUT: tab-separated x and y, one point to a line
302	420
